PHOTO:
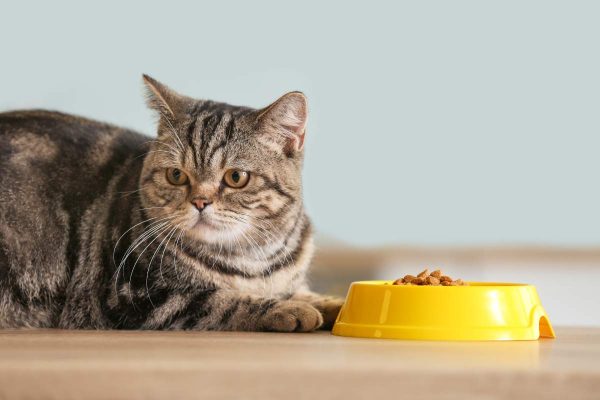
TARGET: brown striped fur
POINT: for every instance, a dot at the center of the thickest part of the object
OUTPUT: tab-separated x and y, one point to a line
94	236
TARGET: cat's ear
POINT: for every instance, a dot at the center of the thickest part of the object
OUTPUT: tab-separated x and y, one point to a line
285	121
164	100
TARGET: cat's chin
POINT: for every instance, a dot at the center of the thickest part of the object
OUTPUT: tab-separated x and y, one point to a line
209	232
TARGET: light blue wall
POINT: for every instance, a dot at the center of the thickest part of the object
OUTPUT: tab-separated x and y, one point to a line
449	122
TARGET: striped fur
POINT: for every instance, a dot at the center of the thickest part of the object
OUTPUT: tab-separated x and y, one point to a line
94	236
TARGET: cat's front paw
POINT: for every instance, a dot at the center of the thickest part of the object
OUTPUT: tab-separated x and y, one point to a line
329	308
292	316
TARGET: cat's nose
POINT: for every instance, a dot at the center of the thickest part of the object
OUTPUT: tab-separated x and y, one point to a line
200	203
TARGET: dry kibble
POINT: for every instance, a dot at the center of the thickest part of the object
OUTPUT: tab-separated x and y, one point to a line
426	279
432	280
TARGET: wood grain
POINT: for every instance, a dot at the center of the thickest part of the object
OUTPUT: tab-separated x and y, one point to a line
222	365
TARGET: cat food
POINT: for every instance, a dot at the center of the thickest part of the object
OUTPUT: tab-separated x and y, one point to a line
436	278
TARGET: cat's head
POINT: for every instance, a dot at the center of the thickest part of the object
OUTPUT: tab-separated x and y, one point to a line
224	174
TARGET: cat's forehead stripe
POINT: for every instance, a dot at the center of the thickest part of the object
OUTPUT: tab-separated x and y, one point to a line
209	126
203	129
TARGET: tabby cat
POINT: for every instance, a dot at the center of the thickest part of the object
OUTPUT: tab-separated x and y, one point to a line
202	227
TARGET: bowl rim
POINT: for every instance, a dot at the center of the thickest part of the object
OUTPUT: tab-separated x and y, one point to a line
471	284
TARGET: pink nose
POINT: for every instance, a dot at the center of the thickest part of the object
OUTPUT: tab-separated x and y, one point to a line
201	203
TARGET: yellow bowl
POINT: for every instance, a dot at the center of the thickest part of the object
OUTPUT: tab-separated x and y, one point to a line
480	311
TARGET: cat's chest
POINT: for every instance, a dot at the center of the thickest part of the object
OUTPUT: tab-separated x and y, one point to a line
276	285
248	275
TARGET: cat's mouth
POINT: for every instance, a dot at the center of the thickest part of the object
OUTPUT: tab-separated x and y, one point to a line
212	228
203	221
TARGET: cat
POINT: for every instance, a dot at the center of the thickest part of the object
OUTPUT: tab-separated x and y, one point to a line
200	228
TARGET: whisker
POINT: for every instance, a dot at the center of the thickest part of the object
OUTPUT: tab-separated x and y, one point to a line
135	243
174	157
164	249
174	131
264	258
158	142
147	235
124	233
148	208
152	259
140	240
175	264
256	229
156	233
129	193
241	252
259	229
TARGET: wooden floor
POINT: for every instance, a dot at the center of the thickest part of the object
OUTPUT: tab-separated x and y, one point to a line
179	365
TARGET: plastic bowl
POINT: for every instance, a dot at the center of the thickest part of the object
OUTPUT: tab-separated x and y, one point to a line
480	311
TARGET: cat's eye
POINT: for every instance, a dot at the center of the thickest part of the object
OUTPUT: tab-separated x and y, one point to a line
236	178
176	176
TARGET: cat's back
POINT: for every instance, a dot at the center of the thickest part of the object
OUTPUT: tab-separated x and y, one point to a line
44	134
49	153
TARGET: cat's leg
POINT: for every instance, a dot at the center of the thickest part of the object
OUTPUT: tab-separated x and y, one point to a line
328	306
226	310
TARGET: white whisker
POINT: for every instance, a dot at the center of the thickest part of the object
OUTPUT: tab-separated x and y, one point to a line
135	243
174	131
164	249
156	235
